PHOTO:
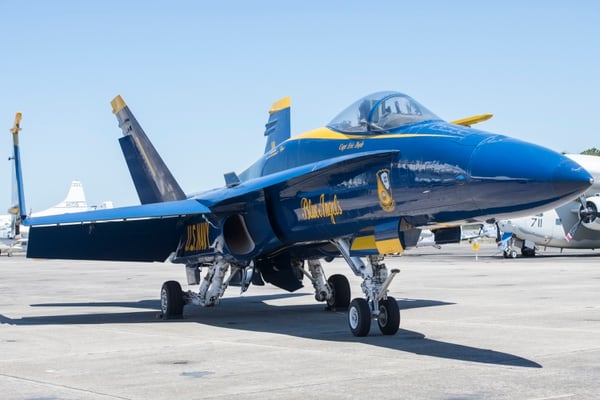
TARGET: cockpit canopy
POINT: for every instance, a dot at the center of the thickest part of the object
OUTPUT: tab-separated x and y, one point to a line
379	113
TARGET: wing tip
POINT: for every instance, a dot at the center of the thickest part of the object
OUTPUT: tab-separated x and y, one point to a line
17	126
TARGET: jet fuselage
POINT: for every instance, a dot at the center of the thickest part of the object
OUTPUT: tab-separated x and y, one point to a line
424	174
383	166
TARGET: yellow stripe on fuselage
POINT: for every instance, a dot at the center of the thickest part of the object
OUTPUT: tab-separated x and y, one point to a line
389	246
363	243
326	133
383	247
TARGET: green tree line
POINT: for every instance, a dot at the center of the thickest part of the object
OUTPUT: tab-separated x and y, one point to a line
591	152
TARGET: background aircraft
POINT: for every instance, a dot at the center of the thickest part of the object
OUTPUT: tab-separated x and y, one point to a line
10	246
6	226
74	202
456	234
13	234
574	225
383	167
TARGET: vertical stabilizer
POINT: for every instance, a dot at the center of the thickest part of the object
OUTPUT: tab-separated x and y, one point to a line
75	196
74	202
153	181
278	128
20	210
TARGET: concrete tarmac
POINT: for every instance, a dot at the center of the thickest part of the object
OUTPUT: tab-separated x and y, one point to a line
472	328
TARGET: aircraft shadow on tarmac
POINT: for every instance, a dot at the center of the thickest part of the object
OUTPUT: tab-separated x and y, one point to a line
310	321
497	255
563	255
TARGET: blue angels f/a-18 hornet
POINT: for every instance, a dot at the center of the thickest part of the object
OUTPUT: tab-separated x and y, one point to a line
358	188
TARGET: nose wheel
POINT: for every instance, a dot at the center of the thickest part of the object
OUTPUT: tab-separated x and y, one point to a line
360	315
376	304
389	316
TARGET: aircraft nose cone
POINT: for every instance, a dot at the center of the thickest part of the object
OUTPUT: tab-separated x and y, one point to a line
571	178
511	176
505	226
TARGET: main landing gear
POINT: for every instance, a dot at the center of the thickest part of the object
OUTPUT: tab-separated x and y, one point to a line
335	291
171	300
377	305
212	288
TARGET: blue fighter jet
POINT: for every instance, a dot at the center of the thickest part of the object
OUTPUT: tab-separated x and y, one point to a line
358	188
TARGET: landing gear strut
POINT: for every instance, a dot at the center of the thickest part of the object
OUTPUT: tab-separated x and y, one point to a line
212	287
215	282
335	290
377	305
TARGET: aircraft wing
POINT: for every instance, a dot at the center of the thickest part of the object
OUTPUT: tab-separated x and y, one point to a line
151	232
148	232
153	210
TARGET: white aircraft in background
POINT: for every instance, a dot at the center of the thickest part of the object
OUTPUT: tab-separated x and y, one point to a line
460	233
74	202
13	246
574	225
13	239
13	235
6	224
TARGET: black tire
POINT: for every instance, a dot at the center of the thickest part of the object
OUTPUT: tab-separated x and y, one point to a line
359	317
341	292
389	316
527	252
513	254
171	300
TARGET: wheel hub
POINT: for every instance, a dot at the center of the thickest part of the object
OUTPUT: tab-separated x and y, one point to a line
163	301
353	317
383	317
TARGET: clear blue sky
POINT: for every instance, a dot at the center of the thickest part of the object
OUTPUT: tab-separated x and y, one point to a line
200	77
